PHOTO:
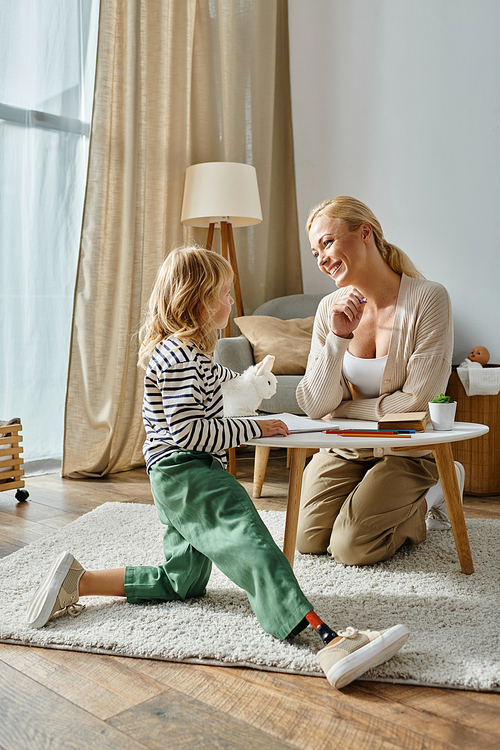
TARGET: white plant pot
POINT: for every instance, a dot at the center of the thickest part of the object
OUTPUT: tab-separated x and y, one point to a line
442	415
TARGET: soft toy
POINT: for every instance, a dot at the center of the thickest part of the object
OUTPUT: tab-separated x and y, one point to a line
479	354
243	395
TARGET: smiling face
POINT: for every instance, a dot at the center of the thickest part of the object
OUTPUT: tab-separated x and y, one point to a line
339	253
221	315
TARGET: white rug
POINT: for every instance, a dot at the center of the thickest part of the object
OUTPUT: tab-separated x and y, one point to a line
454	619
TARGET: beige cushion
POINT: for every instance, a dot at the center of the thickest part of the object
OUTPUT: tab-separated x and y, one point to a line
288	340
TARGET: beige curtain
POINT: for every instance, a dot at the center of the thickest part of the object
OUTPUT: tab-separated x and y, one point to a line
178	82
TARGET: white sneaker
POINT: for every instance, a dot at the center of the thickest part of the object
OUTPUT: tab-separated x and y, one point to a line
58	591
353	652
437	516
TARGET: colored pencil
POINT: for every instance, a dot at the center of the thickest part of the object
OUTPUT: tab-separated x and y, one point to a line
368	433
371	434
351	433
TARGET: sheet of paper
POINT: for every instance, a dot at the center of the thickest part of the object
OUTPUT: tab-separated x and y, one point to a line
295	423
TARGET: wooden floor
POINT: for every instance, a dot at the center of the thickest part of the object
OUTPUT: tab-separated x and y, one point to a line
62	699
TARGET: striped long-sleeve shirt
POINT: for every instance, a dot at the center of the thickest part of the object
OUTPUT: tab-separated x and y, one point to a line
183	408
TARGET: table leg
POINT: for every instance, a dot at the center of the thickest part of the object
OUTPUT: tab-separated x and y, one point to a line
447	474
259	468
297	463
231	455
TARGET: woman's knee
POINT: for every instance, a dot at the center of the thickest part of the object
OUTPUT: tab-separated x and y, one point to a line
344	553
308	544
350	546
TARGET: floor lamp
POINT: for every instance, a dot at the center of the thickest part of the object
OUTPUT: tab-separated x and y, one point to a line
223	194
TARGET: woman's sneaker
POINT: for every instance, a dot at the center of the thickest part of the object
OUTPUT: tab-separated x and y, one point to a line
353	652
437	517
58	592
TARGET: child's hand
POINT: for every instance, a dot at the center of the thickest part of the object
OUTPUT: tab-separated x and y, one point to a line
272	427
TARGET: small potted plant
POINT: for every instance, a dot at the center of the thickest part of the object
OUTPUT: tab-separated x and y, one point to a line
442	412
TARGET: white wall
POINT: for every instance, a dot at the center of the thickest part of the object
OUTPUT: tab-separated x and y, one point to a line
397	102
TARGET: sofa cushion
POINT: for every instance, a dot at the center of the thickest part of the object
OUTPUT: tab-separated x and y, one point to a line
288	340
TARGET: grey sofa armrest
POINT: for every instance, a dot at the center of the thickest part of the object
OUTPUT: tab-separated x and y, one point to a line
235	353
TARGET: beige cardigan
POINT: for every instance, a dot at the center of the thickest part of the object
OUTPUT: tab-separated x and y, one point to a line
418	362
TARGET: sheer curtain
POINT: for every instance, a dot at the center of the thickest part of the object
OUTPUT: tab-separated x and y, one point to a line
178	82
47	63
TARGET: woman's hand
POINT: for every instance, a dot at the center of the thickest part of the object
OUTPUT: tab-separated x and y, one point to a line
272	427
346	312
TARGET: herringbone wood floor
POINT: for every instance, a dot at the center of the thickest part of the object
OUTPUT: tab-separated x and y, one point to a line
60	699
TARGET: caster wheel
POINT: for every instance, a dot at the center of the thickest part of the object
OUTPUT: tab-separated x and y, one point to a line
22	495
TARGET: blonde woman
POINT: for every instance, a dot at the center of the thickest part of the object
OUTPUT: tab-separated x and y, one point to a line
382	343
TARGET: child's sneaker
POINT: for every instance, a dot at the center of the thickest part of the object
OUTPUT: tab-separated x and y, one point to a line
437	517
355	651
57	592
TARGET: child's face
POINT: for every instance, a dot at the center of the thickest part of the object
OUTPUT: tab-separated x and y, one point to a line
221	316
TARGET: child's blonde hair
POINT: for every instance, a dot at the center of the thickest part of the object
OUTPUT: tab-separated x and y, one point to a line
355	213
184	299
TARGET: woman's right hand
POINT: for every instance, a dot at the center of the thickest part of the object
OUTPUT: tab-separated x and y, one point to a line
346	312
272	427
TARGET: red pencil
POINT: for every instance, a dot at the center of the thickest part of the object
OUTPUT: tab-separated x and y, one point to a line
362	431
367	433
372	434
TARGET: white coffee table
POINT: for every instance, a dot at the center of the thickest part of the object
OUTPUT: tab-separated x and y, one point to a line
438	442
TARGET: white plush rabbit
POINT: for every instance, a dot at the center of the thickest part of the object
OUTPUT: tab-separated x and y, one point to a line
243	395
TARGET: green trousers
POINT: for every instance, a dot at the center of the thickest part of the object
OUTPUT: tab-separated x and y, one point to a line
209	519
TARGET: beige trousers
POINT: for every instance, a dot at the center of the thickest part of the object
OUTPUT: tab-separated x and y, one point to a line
362	511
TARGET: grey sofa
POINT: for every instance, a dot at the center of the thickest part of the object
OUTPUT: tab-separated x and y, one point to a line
237	353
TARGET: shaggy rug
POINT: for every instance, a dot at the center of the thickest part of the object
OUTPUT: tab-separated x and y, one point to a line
454	619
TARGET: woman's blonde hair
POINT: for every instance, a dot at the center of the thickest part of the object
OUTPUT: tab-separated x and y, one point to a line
355	213
184	299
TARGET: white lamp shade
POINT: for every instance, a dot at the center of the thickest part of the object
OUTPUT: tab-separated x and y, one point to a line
221	190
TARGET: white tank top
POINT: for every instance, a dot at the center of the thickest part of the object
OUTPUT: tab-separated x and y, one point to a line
365	375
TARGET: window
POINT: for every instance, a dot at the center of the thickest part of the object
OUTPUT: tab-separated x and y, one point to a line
47	58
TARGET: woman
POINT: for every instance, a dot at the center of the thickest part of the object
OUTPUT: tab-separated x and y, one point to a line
382	343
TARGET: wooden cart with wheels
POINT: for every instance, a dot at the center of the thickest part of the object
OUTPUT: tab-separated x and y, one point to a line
11	461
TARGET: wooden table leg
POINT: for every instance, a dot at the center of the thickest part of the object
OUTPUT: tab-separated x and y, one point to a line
232	461
297	463
447	474
259	468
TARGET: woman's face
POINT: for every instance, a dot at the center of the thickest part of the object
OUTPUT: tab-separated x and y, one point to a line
339	253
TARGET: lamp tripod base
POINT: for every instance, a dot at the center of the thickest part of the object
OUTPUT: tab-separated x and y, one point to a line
228	252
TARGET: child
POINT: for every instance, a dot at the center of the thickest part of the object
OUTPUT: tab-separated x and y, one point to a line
209	517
